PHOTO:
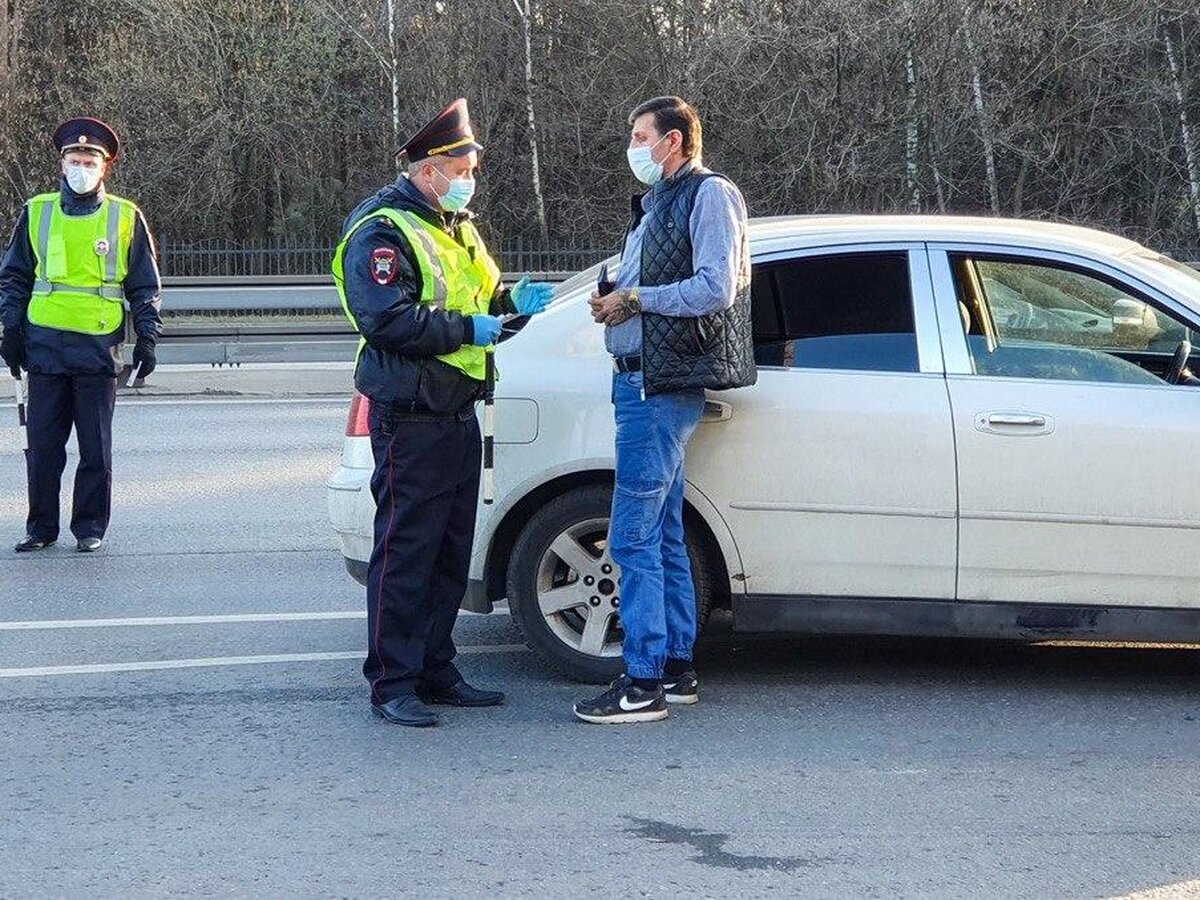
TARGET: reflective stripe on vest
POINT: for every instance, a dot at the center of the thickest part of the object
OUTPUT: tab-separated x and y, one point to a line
81	263
456	275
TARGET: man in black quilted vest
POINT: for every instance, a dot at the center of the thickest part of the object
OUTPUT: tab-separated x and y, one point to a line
677	322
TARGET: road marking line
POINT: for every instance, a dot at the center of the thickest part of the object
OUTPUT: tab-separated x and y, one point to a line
1179	891
234	401
226	619
216	661
215	400
56	624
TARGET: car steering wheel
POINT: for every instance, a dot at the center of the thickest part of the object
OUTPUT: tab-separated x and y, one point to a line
1179	362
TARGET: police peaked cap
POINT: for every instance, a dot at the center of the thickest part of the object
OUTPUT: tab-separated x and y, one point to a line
449	134
85	133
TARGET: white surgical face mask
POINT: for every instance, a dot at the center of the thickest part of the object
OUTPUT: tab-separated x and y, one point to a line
459	192
641	162
83	180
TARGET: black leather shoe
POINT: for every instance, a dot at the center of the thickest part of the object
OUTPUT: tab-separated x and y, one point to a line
406	710
461	694
89	544
29	544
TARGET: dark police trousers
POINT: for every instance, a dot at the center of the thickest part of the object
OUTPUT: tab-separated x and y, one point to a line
56	403
426	488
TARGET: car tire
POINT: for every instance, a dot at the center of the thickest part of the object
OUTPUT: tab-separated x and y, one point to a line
578	520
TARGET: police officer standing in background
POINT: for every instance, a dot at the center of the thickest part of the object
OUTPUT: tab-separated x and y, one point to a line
77	259
421	289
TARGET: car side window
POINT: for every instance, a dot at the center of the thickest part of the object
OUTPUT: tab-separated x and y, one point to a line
1026	319
835	311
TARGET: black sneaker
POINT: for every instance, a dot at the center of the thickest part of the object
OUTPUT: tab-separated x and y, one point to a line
684	689
623	703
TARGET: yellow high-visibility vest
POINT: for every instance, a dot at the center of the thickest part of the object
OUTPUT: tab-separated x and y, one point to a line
455	276
81	264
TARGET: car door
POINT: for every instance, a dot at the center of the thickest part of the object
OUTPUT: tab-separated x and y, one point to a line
835	472
1076	459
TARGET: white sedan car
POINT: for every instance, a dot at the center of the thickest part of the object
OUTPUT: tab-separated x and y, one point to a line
970	427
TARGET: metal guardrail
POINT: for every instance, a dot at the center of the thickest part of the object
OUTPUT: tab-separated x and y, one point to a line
311	255
264	318
275	293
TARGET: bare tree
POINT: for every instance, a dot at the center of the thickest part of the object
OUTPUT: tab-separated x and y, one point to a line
985	130
523	10
911	135
394	72
1189	152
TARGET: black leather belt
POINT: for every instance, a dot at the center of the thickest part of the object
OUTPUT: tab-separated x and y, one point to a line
627	363
422	415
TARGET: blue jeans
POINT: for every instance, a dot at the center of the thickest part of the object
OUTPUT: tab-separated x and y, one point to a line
658	601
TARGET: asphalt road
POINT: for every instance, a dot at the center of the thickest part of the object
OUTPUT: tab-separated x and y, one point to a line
824	768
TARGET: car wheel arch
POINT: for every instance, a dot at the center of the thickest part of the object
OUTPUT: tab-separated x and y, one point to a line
699	514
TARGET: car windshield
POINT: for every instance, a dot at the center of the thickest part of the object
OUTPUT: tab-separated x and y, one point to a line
1181	274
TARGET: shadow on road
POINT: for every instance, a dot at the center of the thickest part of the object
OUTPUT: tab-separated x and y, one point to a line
783	660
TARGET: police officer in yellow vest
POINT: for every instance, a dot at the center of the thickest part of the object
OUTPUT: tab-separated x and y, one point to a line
79	258
419	286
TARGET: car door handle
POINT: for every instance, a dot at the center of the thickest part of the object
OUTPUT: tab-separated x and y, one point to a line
1017	419
1014	423
717	411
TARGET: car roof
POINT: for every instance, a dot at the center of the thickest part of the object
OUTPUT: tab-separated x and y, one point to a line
820	229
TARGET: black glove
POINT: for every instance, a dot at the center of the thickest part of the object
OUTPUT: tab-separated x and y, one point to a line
12	349
143	356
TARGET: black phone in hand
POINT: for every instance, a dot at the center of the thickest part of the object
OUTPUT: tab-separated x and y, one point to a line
603	285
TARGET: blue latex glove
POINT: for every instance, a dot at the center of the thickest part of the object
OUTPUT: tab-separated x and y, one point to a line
530	299
486	330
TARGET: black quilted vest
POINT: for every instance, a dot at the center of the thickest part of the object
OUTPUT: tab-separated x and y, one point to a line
715	351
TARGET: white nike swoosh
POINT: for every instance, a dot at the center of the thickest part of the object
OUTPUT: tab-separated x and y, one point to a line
631	707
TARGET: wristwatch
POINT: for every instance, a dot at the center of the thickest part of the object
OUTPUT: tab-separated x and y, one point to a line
630	302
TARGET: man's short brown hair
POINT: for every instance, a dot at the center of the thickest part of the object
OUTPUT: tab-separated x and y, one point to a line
673	114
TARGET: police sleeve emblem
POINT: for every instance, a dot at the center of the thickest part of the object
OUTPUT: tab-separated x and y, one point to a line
383	265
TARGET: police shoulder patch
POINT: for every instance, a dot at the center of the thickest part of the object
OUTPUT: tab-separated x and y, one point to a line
383	265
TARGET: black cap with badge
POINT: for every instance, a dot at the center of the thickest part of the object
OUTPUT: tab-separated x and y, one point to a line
86	133
448	134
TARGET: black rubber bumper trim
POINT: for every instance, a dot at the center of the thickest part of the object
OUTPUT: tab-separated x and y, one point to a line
959	618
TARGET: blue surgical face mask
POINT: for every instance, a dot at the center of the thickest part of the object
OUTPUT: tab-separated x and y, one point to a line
459	192
83	180
641	161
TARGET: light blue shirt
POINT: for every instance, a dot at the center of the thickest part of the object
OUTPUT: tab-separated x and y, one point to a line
718	230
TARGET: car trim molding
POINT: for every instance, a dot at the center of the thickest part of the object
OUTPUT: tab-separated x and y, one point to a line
836	509
1075	519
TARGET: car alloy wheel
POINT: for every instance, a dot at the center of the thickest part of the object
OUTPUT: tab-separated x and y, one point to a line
578	590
